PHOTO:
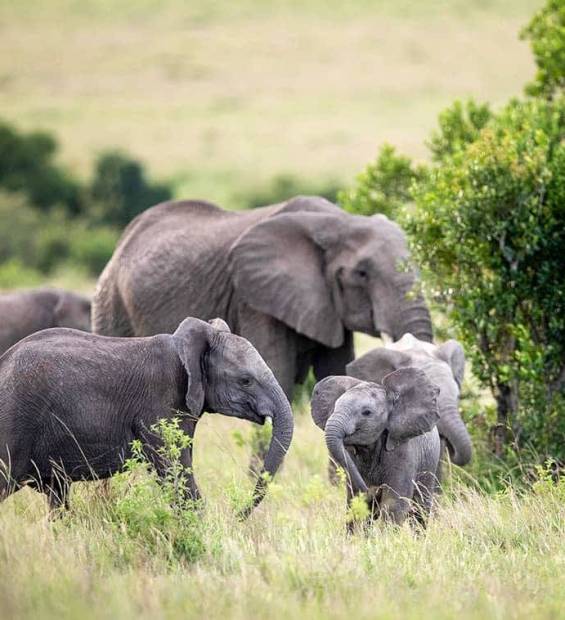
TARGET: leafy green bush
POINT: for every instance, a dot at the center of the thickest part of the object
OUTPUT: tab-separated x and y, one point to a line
158	512
459	125
120	190
27	166
384	185
489	231
546	32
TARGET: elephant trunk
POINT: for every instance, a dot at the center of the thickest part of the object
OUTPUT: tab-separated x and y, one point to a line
452	427
414	318
283	426
335	434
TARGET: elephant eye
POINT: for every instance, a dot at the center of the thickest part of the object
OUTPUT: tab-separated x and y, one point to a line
245	381
362	273
366	413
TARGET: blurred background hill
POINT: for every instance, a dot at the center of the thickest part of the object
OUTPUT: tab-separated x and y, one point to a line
227	101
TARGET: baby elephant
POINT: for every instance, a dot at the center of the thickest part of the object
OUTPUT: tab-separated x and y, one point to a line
71	403
25	312
385	438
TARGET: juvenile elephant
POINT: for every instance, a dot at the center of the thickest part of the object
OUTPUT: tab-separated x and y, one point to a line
385	438
444	365
295	278
73	402
25	312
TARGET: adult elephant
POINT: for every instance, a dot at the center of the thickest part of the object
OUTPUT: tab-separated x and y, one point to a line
296	279
28	311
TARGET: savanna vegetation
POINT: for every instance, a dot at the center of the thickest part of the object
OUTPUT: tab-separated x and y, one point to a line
248	103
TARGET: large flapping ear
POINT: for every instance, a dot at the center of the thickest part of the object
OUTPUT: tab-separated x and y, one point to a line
376	364
452	353
413	408
279	266
192	342
324	395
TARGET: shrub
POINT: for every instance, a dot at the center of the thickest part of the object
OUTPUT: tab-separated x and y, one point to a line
489	230
120	190
26	166
546	33
459	125
157	512
384	185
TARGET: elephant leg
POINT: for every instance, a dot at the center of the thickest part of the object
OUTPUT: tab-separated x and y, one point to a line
394	505
189	427
327	362
424	492
57	490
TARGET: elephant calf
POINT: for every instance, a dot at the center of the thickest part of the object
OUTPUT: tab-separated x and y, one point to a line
71	403
385	438
25	312
444	365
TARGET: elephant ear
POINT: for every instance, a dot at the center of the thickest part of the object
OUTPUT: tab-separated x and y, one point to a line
278	268
376	364
220	325
192	343
324	395
413	408
452	353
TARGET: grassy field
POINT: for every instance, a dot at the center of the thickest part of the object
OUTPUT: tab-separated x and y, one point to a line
220	96
483	556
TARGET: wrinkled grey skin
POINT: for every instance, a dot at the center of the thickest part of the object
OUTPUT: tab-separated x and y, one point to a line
444	365
25	312
75	401
384	436
295	278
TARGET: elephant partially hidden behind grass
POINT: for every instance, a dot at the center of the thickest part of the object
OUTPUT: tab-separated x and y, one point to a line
71	403
385	437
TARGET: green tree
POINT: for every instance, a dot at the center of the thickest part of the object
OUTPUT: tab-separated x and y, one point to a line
546	33
27	167
121	191
489	230
384	185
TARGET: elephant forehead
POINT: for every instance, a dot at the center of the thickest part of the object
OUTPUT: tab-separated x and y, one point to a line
440	373
363	396
240	352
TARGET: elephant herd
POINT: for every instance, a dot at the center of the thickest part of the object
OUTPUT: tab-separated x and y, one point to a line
202	309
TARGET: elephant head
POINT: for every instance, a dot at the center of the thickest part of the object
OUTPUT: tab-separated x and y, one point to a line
227	375
444	365
320	270
354	412
72	310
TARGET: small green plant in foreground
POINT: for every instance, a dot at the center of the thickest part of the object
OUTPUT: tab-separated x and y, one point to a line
158	512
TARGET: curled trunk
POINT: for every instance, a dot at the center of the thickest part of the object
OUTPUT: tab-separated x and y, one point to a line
453	429
283	426
335	435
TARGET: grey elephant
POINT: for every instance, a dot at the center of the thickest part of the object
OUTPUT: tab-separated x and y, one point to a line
73	402
296	279
385	438
28	311
444	365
